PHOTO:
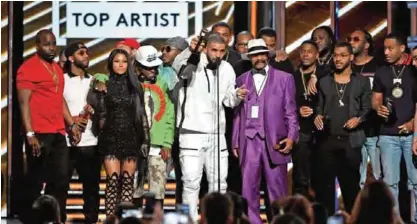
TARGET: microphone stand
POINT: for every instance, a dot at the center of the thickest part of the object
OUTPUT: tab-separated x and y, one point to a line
218	123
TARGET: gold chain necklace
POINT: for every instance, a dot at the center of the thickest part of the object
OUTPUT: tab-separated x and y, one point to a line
304	81
53	74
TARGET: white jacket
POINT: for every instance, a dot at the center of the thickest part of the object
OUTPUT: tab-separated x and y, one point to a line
201	105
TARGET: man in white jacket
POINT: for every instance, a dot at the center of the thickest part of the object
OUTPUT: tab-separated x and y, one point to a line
197	120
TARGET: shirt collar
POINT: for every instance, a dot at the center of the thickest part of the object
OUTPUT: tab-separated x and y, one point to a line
266	70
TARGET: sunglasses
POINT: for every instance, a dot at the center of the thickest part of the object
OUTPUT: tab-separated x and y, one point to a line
168	49
354	39
82	52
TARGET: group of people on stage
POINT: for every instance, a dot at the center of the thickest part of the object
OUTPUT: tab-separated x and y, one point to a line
238	114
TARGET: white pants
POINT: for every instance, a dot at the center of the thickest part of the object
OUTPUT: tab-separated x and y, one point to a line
194	160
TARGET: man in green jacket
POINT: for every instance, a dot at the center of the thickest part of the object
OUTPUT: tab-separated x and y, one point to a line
161	118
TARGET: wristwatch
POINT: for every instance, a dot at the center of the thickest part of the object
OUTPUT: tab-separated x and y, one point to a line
71	126
30	134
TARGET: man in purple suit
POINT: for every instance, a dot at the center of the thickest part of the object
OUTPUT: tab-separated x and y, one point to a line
265	128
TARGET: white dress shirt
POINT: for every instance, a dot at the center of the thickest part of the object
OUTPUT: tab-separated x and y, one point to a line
260	80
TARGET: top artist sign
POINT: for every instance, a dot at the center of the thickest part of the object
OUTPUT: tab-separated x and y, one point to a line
127	19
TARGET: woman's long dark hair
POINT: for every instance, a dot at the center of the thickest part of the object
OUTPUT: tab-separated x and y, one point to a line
135	89
376	204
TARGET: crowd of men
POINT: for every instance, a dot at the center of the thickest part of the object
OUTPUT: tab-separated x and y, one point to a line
240	114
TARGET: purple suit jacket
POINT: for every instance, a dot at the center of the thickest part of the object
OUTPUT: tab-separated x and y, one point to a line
280	115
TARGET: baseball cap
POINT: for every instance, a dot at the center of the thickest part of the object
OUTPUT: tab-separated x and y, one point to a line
148	56
74	47
130	42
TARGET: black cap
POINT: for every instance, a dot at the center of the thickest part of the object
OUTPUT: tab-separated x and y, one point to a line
74	47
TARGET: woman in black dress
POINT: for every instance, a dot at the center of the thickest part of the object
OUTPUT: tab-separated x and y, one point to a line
123	133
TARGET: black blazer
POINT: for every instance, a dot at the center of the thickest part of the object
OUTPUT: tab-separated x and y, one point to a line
359	103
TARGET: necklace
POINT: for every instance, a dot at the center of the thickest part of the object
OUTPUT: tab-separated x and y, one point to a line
397	91
322	62
399	74
53	73
340	90
304	82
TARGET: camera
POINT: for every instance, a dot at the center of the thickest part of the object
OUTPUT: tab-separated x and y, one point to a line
336	219
150	202
127	209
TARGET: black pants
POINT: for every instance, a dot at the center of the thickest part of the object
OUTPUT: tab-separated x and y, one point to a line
301	170
86	161
50	167
177	170
337	159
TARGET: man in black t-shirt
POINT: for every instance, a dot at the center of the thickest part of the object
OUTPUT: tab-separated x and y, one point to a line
394	100
306	103
344	101
366	65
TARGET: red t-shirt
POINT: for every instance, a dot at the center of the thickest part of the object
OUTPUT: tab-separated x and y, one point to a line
46	104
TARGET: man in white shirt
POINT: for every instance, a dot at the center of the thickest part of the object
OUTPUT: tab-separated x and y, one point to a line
210	84
84	157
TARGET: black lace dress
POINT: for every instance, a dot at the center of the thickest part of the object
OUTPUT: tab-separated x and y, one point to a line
119	137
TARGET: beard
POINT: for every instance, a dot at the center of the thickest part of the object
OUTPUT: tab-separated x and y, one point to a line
81	64
358	50
341	70
213	63
45	56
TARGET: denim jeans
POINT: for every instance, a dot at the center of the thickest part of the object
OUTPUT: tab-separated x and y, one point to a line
370	149
392	147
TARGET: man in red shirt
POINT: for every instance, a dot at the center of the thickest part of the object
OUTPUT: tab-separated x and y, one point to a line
40	85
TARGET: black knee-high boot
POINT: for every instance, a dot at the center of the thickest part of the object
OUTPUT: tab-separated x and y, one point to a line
127	187
111	193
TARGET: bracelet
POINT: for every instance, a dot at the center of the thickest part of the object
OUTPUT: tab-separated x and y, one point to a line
415	134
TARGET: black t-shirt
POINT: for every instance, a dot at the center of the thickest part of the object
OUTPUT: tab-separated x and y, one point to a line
373	121
232	56
338	114
306	124
327	65
404	107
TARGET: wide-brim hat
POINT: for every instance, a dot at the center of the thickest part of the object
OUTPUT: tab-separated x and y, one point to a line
257	46
148	56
